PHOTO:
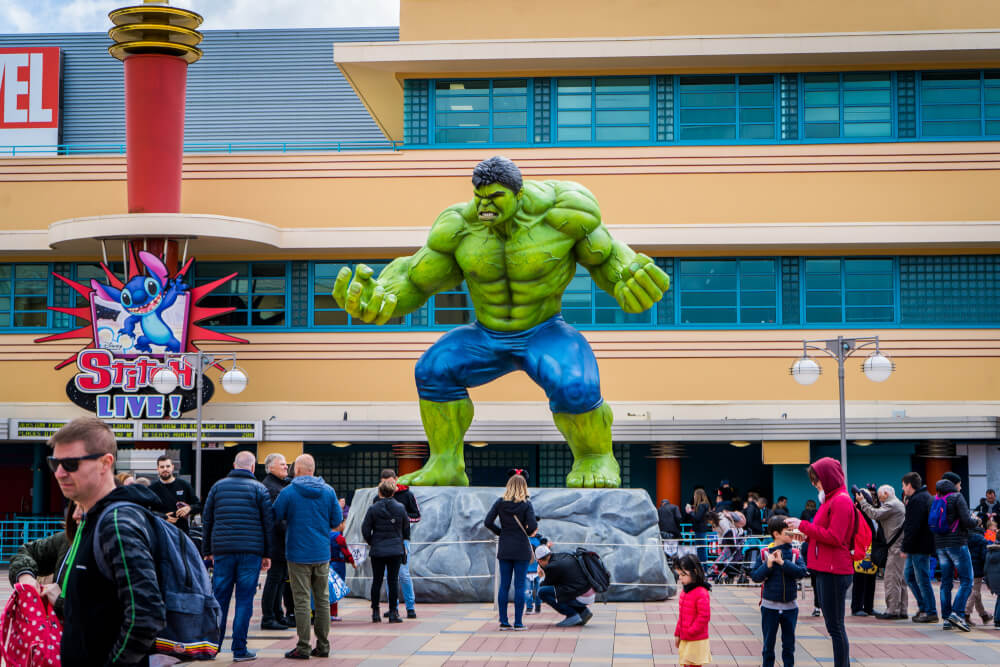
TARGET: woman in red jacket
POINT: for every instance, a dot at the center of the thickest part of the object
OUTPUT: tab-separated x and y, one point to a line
691	633
831	534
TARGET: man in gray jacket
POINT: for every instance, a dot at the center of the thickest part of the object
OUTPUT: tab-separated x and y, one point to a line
890	514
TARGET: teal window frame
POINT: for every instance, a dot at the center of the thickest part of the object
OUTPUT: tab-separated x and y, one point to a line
17	291
322	275
498	101
842	99
702	288
835	289
598	98
249	311
745	102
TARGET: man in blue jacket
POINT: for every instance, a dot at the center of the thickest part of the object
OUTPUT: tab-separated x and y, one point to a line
311	509
237	529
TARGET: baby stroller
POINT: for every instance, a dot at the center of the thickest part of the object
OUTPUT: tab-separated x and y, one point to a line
730	566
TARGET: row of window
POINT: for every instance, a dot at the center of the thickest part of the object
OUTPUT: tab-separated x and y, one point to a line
752	292
716	108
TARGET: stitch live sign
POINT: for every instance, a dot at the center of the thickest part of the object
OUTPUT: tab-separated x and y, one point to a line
121	388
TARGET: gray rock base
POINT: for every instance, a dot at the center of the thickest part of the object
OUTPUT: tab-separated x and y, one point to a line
453	555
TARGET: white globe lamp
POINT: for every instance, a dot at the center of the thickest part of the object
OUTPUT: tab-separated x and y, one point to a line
877	367
805	371
165	381
234	381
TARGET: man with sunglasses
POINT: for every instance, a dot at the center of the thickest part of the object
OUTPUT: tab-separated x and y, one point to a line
116	621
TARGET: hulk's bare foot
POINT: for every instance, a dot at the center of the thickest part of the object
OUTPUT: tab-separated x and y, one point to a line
438	471
599	471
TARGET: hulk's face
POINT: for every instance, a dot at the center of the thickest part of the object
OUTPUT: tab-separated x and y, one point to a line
496	204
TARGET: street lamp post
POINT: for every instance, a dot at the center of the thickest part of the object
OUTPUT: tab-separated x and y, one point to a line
876	367
233	381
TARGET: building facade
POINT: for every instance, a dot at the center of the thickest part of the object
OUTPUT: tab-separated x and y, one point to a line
801	174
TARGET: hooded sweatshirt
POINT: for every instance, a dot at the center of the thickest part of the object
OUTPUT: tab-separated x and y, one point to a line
311	509
832	529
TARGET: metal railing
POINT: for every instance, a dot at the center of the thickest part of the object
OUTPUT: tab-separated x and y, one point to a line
18	531
228	147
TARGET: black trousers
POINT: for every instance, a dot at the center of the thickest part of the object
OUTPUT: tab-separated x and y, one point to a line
276	591
379	566
863	593
832	598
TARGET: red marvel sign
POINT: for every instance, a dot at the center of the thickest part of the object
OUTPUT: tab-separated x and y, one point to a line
29	96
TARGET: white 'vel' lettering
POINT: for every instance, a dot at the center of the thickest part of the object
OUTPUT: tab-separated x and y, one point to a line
12	87
36	114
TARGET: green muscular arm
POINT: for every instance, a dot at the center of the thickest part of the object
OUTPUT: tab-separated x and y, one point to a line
407	282
632	278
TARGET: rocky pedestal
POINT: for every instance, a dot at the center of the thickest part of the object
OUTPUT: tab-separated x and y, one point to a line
453	555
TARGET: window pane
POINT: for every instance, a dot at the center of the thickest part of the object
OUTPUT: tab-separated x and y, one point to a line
458	88
573	134
708	132
452	316
510	86
708	99
866	96
815	114
869	281
510	135
823	266
574	101
510	118
27	271
269	285
757	298
31	287
462	136
757	282
478	103
577	315
957	129
756	115
707	81
952	112
868	130
31	319
821	80
816	98
756	131
708	282
756	99
949	95
869	314
622	84
631	101
816	315
708	315
267	269
758	315
821	298
463	119
866	79
861	114
869	298
330	318
623	133
574	86
510	103
708	116
712	298
30	303
622	117
574	118
267	318
868	265
826	131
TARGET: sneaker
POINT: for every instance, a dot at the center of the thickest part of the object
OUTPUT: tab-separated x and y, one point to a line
519	626
859	613
932	618
411	613
335	619
817	612
585	616
316	653
959	622
986	618
946	625
295	655
273	625
570	621
538	610
244	656
506	626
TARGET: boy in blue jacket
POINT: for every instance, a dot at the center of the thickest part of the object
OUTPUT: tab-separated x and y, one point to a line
779	572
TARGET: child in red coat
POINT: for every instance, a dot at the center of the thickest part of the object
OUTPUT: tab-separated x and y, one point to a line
691	634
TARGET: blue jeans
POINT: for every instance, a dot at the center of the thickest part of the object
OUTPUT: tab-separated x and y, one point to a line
917	574
531	594
701	540
405	582
512	569
832	589
567	609
240	571
770	621
951	559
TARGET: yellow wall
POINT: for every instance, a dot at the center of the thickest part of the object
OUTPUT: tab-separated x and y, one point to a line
638	379
461	19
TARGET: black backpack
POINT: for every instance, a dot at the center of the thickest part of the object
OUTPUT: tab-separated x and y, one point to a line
593	569
194	617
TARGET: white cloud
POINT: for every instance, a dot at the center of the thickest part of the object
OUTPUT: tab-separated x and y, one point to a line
27	16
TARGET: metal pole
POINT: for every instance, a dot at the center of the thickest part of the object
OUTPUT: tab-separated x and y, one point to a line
197	440
841	357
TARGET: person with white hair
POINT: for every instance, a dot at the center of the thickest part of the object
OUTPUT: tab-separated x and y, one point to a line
277	611
237	534
890	514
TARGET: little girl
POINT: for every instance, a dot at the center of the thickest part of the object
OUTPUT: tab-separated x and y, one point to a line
340	556
691	634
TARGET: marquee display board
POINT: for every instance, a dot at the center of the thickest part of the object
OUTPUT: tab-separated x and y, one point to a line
148	431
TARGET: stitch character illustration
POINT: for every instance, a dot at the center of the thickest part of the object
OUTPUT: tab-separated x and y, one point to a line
145	299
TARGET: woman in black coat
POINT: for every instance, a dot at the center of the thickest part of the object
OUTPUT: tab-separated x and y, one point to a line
385	527
517	522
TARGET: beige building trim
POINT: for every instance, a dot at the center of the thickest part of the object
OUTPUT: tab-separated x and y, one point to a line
376	69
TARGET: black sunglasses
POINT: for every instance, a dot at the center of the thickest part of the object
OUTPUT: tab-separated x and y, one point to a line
70	463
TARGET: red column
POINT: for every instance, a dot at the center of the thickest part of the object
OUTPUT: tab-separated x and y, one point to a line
155	89
668	480
404	466
934	469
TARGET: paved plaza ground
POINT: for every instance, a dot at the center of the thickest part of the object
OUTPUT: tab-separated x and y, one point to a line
620	634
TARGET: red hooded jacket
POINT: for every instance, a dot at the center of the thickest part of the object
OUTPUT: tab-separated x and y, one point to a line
831	532
695	613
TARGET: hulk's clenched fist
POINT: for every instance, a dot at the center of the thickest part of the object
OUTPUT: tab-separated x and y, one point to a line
516	245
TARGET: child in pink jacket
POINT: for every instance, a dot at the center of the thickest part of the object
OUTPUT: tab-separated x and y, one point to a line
691	633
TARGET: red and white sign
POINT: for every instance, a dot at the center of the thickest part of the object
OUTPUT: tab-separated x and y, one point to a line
29	97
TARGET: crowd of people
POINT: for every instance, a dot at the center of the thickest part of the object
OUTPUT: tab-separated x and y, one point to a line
842	544
107	578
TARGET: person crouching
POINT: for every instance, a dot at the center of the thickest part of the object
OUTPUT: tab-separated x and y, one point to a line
565	587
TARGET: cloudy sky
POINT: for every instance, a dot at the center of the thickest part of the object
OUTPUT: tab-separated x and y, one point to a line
21	16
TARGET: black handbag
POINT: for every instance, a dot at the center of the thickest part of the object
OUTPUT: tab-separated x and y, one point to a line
880	550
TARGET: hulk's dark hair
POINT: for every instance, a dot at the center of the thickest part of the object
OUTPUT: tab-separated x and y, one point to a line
497	170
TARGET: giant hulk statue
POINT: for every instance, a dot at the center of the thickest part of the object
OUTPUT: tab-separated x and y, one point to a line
516	245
